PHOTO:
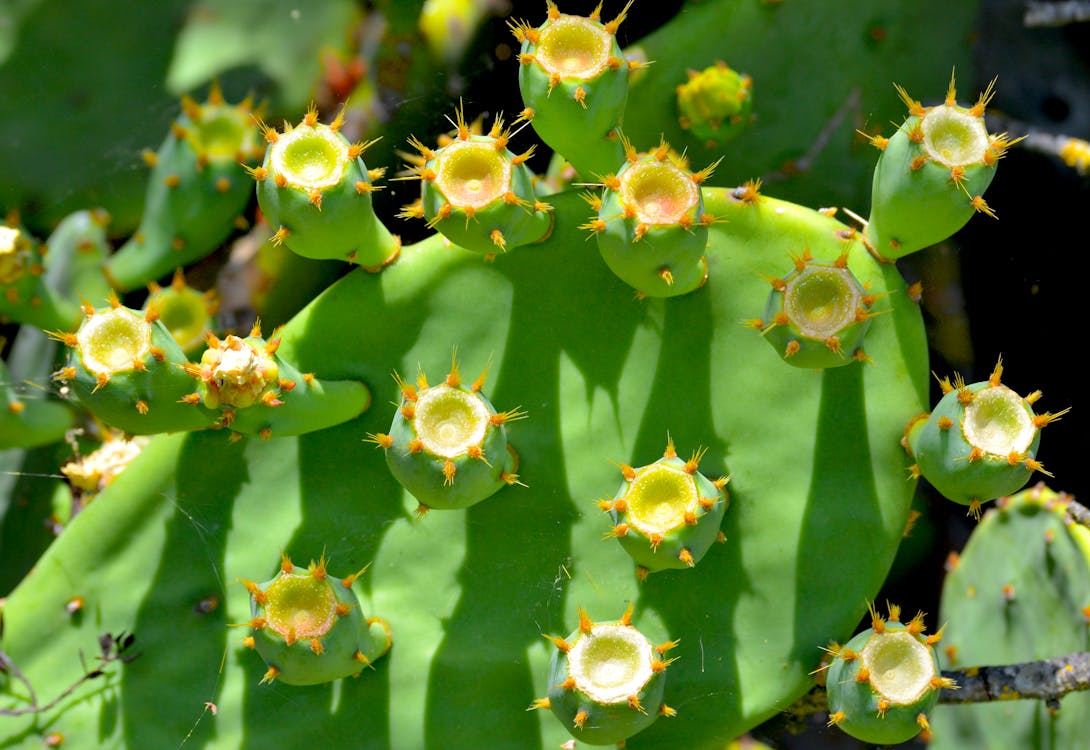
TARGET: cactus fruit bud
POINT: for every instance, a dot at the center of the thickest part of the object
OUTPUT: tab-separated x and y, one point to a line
196	190
932	174
127	370
448	445
667	514
884	691
574	77
258	393
479	195
185	312
314	187
651	226
95	471
309	627
817	316
715	104
980	442
607	681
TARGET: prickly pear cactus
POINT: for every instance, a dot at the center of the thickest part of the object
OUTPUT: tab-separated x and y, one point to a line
1004	608
260	464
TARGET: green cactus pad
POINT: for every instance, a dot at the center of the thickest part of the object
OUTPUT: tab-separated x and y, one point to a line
574	78
314	188
256	392
667	514
932	175
196	191
980	442
817	315
78	248
607	681
883	683
715	104
309	627
448	445
127	370
651	227
1018	592
26	423
478	194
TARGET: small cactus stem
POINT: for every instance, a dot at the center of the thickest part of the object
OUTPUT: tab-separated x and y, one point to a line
321	196
979	443
570	78
650	227
890	679
479	195
25	297
241	378
312	627
607	684
931	176
669	511
196	173
715	105
448	445
820	313
186	312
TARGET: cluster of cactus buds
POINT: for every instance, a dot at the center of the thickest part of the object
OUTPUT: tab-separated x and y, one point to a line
817	316
980	442
477	193
448	445
309	627
315	189
715	104
651	226
607	681
195	193
94	472
885	680
932	174
667	514
574	82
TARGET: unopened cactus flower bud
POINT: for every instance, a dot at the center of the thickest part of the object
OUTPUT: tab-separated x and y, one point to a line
715	104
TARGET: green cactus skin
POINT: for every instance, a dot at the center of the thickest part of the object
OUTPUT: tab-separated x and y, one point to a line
196	191
27	423
883	683
715	104
185	312
309	627
24	296
932	174
127	370
651	226
257	392
980	442
78	248
478	194
817	315
607	681
1019	591
667	514
314	187
574	81
448	445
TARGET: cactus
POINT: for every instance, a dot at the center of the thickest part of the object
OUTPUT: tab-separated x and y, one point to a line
603	372
1003	608
607	681
715	104
308	626
980	442
884	681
